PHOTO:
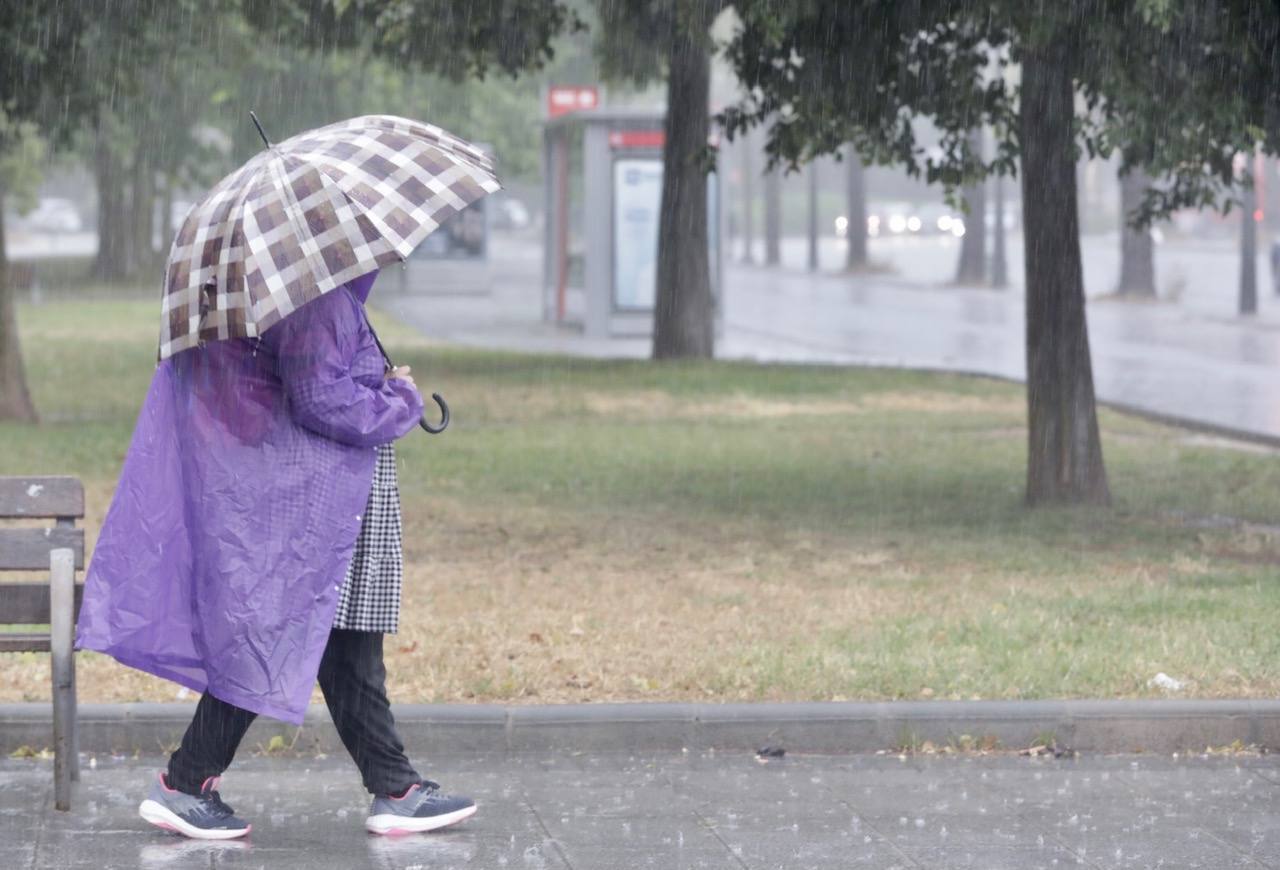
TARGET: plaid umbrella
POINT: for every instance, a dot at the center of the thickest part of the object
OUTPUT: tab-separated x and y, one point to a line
308	215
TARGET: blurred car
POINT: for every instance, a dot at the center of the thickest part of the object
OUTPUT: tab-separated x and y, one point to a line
510	213
51	215
939	219
897	218
842	226
891	218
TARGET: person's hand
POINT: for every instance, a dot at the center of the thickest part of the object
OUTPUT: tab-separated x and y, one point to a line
402	373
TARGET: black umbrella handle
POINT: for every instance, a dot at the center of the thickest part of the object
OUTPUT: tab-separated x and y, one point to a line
444	416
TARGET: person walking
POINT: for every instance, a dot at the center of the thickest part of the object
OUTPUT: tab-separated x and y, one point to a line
253	544
263	452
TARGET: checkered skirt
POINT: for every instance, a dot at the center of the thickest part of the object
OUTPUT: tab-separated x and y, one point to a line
370	596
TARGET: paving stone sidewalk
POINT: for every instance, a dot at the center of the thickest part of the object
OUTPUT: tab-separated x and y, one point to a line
688	810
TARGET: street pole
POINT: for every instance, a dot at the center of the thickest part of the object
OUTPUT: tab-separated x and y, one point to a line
855	231
1249	253
813	216
999	262
748	197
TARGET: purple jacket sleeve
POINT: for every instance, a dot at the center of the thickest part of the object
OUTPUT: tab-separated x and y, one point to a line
317	349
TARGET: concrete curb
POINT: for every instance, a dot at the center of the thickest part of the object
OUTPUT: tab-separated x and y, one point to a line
1087	726
1191	424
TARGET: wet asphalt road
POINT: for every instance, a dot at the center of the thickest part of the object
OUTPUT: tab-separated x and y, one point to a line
688	810
1191	359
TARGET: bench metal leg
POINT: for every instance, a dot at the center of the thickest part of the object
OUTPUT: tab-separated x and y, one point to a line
61	638
73	721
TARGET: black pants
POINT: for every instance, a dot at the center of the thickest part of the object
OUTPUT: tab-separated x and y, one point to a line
353	679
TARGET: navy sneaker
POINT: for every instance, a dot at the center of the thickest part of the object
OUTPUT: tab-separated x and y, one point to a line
202	817
421	808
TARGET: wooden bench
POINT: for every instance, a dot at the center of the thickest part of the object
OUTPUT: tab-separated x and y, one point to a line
59	549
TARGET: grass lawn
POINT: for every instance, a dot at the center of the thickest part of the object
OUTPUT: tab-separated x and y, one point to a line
712	531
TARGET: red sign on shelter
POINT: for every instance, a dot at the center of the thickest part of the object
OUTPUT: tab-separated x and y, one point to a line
563	99
637	139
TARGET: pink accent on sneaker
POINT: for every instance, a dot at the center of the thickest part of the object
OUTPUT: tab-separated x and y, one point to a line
407	792
164	784
210	784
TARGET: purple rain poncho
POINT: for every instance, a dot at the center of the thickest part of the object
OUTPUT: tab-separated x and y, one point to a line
224	549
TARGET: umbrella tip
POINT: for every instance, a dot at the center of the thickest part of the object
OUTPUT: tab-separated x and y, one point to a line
256	123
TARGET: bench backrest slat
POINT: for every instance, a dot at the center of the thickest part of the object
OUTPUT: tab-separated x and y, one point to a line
28	549
28	603
41	497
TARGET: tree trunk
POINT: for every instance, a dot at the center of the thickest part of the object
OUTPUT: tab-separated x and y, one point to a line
813	216
972	268
773	217
999	258
111	262
1249	253
142	209
167	229
1137	252
1271	208
1064	451
855	193
15	398
748	198
684	311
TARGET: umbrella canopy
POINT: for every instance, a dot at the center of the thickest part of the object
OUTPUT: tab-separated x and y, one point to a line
308	215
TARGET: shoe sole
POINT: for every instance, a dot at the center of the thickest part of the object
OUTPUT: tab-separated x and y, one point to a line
389	825
162	817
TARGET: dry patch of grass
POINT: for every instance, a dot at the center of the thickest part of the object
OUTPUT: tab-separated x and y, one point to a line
564	610
656	403
513	604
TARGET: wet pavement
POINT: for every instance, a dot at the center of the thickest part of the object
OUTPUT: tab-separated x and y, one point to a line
689	810
1190	359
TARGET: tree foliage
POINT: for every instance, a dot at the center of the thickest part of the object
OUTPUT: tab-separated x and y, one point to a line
21	160
633	37
455	40
1177	86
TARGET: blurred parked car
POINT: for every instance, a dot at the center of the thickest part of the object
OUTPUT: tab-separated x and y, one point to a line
510	213
51	215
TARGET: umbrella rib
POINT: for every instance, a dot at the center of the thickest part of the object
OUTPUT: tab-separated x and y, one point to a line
236	217
379	224
305	241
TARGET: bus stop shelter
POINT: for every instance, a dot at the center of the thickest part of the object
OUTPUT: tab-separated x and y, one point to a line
603	192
